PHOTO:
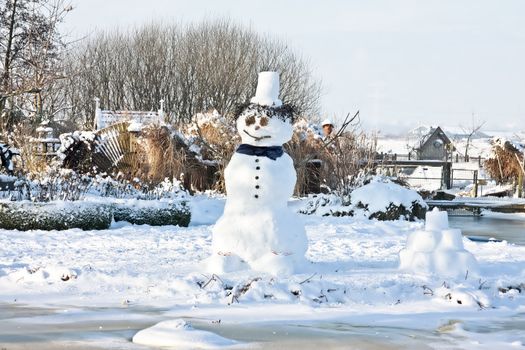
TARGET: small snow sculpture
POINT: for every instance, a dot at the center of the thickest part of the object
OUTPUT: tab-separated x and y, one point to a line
437	250
257	230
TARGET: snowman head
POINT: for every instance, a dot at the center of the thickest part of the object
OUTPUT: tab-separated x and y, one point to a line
265	121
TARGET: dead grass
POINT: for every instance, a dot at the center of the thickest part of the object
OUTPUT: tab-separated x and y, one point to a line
506	165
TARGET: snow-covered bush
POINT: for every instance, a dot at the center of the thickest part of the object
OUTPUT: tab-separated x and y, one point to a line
154	214
379	199
50	185
57	200
384	200
54	216
213	138
106	186
75	150
327	205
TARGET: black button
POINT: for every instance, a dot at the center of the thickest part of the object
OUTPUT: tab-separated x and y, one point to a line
257	178
257	168
257	186
256	196
257	160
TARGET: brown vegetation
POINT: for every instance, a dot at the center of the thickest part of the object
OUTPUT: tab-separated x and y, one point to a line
506	164
337	163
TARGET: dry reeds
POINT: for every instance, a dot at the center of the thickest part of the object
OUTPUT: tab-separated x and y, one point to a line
506	164
331	165
165	155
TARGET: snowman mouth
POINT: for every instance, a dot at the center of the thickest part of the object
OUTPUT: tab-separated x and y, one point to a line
257	138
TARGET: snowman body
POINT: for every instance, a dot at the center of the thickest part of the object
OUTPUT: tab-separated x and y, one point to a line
257	230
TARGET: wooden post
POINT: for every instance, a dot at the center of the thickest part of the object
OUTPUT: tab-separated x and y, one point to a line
447	172
520	184
475	179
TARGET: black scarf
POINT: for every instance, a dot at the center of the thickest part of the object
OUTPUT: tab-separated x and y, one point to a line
272	152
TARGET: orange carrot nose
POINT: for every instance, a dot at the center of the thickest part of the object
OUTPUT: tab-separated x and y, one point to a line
257	127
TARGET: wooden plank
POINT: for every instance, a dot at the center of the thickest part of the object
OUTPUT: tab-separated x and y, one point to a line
498	206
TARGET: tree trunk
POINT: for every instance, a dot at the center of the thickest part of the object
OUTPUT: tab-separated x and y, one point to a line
7	58
7	66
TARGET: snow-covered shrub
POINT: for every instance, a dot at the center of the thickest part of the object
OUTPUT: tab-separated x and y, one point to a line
75	150
54	216
158	213
384	200
379	199
213	137
106	186
327	205
50	185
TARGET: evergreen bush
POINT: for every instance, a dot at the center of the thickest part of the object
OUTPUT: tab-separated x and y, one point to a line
60	215
162	213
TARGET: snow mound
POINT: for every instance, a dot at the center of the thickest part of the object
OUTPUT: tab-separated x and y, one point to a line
437	250
379	195
179	334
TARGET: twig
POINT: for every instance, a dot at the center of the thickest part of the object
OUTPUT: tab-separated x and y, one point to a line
213	277
427	290
238	291
309	278
481	284
257	138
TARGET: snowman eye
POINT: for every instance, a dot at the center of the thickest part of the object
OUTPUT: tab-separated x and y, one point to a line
250	120
264	121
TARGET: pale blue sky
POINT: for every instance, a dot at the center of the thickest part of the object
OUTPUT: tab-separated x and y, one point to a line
402	63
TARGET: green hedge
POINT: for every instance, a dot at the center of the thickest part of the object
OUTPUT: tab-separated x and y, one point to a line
156	214
25	216
65	215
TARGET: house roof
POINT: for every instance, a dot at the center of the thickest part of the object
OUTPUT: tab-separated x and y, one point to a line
435	131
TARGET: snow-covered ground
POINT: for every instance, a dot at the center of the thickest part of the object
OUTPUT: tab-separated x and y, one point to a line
352	280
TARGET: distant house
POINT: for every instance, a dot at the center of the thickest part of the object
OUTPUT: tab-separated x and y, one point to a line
434	146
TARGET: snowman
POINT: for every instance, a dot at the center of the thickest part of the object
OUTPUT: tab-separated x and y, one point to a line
257	230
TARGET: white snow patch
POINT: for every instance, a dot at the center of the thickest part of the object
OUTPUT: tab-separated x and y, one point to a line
179	334
378	195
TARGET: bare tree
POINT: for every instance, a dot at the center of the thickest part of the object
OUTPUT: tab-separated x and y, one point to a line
30	49
470	132
194	68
